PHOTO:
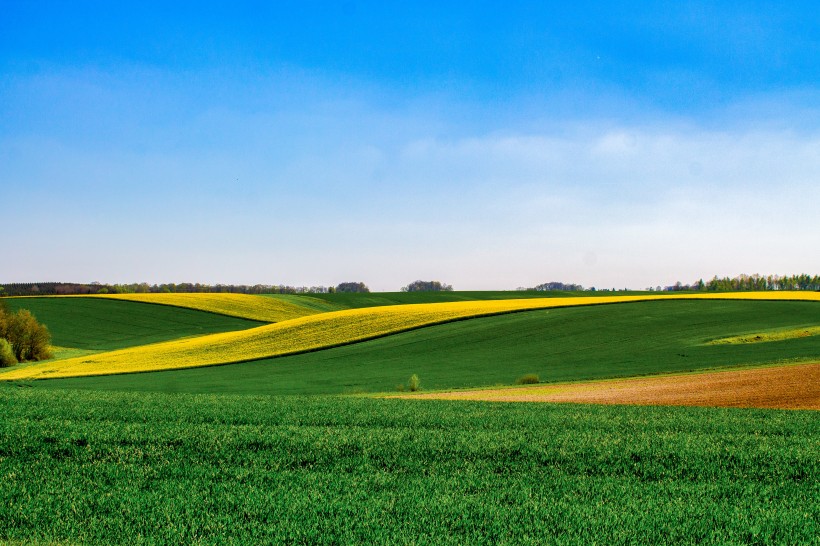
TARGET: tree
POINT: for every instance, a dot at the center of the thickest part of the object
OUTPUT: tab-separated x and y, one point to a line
427	286
413	384
359	287
7	357
29	340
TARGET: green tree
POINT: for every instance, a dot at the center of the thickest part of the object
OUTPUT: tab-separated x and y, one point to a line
7	357
29	340
427	286
358	287
413	384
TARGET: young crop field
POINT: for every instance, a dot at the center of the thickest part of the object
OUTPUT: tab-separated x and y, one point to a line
83	467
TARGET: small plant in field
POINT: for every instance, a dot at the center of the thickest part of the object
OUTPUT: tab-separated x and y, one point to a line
528	379
400	387
413	384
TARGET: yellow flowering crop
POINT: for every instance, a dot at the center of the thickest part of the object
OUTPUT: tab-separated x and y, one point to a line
322	331
261	308
765	337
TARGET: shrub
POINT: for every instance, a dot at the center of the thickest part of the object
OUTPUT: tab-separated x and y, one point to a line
4	320
6	354
413	384
29	339
529	379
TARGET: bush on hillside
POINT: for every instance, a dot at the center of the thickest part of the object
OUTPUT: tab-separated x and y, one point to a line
4	319
528	379
6	354
413	384
29	340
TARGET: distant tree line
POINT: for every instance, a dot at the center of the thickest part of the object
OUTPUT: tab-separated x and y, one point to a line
568	287
427	286
740	283
547	286
744	283
60	288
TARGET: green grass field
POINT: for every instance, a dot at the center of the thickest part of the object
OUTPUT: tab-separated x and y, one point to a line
114	468
558	344
102	324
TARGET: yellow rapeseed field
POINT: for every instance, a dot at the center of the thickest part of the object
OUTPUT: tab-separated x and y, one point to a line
261	308
322	331
765	337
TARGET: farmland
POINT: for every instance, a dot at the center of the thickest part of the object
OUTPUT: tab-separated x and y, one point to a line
298	335
270	309
321	331
102	324
629	339
794	386
313	447
111	468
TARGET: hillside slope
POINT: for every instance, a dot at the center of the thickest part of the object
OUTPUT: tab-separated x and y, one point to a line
261	308
108	324
308	334
569	344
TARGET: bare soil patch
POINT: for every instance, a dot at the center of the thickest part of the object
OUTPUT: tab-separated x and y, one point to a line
795	386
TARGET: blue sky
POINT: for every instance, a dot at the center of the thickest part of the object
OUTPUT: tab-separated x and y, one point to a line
489	147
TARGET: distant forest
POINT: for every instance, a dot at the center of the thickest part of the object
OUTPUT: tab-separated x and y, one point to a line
67	288
751	283
741	283
737	284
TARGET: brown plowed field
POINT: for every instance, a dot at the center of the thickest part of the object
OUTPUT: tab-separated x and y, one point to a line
794	386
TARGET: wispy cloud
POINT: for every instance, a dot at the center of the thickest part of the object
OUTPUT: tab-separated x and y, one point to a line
296	179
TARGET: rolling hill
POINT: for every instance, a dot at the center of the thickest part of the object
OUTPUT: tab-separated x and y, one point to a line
562	344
